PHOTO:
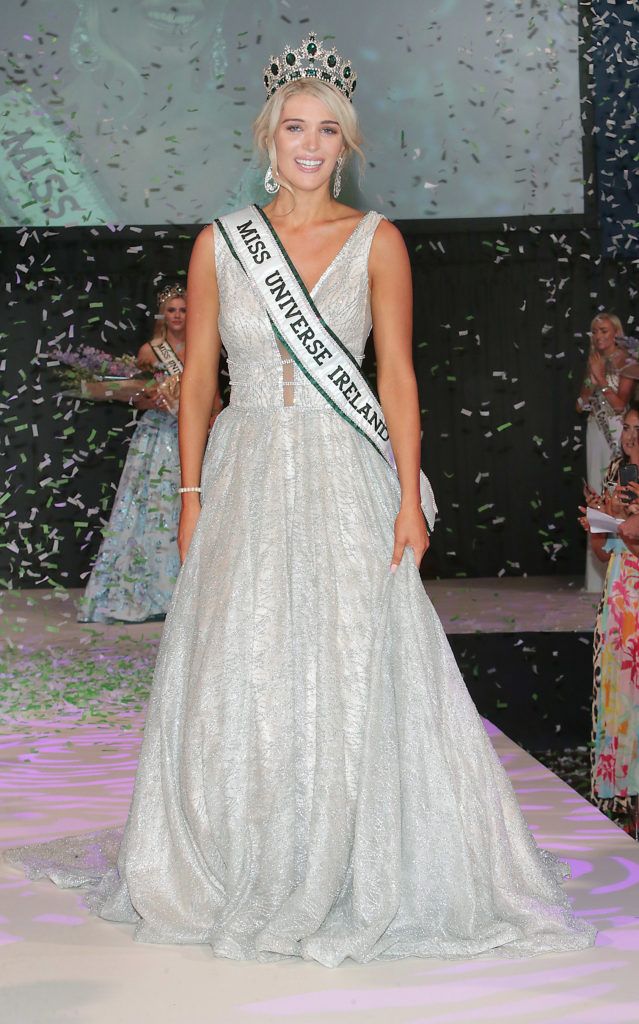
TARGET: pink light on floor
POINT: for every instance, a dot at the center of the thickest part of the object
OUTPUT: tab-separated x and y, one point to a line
467	991
632	878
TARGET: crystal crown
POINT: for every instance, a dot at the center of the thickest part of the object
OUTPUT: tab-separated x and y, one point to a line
310	60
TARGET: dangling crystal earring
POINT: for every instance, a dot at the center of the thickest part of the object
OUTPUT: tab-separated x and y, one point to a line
85	55
337	183
270	184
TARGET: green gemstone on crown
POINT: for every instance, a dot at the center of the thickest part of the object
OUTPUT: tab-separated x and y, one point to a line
311	60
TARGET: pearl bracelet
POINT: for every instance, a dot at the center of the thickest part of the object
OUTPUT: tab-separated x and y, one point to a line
189	490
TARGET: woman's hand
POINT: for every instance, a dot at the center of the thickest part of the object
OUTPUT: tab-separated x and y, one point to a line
592	499
616	505
188	521
597	370
147	399
410	532
632	503
583	519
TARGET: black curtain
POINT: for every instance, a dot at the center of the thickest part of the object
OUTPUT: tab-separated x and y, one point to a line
500	333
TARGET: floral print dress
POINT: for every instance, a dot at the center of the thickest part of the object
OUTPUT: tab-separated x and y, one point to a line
615	764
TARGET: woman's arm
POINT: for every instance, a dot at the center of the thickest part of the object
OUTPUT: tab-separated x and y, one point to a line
146	358
597	541
392	309
198	384
587	388
618	400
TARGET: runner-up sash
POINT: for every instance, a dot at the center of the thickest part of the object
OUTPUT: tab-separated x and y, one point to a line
299	327
167	356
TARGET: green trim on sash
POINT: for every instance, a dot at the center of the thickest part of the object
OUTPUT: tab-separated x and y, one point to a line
159	355
332	351
292	352
307	294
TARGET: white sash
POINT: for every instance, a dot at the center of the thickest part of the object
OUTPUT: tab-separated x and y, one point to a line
299	327
165	353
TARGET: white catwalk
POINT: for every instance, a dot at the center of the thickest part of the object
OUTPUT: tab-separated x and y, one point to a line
70	771
60	964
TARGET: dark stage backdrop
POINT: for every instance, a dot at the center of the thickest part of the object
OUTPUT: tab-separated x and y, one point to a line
501	320
501	323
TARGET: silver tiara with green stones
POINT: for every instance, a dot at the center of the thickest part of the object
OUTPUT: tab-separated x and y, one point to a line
310	60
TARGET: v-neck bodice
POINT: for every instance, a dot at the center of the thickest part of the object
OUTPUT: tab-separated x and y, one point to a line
342	296
352	238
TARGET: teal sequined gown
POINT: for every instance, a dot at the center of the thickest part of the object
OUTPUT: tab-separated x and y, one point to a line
138	562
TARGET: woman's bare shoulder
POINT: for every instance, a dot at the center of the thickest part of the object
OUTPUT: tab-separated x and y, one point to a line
388	242
146	355
203	252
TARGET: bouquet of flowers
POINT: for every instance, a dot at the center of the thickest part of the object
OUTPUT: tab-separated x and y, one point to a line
98	376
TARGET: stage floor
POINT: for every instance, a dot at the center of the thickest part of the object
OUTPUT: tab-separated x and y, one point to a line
68	749
553	604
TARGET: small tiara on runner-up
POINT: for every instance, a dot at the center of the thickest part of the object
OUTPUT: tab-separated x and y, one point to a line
310	60
170	291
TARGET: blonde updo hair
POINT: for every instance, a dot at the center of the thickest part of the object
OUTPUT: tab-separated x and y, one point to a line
613	319
266	123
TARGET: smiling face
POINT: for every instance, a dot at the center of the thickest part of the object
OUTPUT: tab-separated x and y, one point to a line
175	315
630	435
308	141
603	334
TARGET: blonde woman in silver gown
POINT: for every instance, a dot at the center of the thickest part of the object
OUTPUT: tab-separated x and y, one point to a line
314	779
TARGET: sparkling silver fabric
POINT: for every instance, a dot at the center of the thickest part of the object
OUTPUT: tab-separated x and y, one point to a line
137	565
314	779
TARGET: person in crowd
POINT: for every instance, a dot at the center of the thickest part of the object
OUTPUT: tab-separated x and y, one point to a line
604	395
615	755
135	571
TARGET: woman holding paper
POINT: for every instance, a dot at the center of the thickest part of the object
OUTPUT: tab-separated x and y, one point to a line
615	758
315	781
137	565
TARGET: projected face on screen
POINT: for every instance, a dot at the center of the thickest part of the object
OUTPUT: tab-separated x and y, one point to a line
151	30
141	112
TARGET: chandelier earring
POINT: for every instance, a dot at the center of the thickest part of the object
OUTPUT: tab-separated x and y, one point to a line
85	54
337	182
270	184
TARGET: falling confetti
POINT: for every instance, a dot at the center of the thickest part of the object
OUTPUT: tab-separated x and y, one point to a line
502	309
